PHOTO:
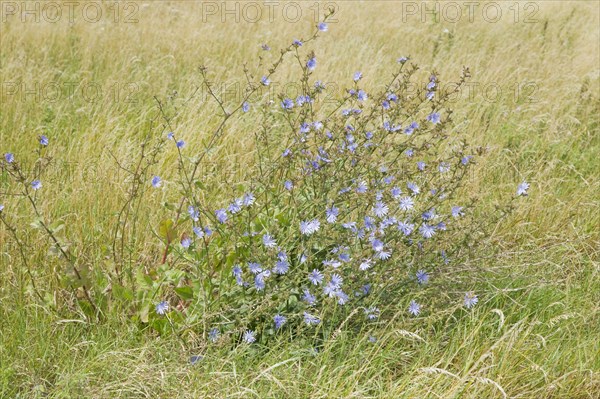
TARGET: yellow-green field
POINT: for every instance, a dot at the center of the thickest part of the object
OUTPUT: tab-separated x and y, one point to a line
533	104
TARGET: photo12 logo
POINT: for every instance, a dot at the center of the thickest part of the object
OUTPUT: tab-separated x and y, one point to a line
255	11
71	11
52	92
469	11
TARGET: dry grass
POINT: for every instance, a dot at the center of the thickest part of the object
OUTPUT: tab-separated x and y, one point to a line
535	333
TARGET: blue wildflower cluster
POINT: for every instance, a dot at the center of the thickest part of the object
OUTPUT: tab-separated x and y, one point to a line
347	205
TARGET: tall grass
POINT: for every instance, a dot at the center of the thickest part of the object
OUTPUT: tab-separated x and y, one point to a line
534	333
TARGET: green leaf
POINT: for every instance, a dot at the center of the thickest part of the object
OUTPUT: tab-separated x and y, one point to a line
186	293
144	312
166	230
37	223
57	226
200	185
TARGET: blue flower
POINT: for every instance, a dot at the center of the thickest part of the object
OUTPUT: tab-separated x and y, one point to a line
332	214
170	135
297	43
396	192
162	307
465	160
236	271
311	64
342	297
322	27
246	106
36	184
336	281
357	76
383	255
265	47
522	189
281	267
365	264
269	241
303	258
265	81
259	282
427	231
470	300
434	117
362	187
414	308
349	226
319	86
207	231
413	187
377	245
186	242
43	140
214	334
221	215
309	298
421	165
361	95
380	209
194	213
156	181
309	227
180	144
235	206
402	60
249	336
1	207
406	228
195	359
406	203
422	277
288	185
310	319
9	157
429	215
344	257
287	103
444	167
315	277
254	267
457	211
411	128
372	313
304	127
279	321
365	289
248	199
332	263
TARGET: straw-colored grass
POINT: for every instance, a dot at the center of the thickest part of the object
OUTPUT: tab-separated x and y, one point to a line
534	104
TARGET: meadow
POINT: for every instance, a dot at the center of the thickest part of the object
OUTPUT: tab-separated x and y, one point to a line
96	85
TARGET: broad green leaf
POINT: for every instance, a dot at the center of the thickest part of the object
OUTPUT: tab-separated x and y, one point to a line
166	230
